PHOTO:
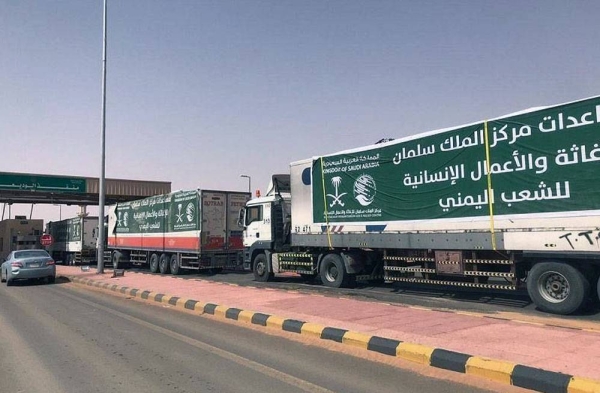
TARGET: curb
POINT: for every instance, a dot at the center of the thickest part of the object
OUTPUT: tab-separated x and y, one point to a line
500	371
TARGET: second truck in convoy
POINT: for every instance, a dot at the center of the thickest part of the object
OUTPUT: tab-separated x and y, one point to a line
195	230
75	240
500	204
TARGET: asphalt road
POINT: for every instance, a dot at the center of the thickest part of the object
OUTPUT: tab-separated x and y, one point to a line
59	338
452	298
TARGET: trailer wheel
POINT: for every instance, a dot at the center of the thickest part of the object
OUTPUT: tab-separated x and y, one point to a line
332	271
598	285
557	287
163	264
174	264
154	263
261	270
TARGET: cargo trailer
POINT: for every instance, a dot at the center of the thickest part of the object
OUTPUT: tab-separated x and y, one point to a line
74	240
501	204
194	229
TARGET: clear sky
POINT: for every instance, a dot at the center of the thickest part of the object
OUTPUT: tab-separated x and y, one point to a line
199	92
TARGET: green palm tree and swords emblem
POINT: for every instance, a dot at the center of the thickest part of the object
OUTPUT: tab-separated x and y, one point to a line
337	198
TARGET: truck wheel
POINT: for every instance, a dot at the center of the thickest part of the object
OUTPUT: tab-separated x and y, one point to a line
163	264
261	271
557	288
174	264
332	271
598	288
154	263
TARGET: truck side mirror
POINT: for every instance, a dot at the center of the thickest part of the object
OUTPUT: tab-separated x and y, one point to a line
241	214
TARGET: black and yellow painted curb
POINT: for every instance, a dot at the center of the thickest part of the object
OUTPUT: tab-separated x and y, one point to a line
501	371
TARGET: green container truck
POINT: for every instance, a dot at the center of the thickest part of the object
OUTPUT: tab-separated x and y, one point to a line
195	229
74	240
502	204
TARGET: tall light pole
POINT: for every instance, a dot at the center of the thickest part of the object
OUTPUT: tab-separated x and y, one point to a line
249	183
101	192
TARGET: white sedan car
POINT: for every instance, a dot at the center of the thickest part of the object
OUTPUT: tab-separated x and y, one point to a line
28	264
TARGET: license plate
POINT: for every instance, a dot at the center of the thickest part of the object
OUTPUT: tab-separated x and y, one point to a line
34	265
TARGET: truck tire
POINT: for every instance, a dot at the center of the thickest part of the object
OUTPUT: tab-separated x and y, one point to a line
332	271
598	287
163	264
261	270
557	288
154	263
174	264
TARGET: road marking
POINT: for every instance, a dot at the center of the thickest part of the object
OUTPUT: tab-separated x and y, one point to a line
25	357
271	372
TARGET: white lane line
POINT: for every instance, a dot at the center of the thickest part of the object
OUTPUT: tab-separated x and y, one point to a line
261	368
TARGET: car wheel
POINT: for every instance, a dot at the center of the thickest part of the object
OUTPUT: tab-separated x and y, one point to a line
9	283
2	279
50	279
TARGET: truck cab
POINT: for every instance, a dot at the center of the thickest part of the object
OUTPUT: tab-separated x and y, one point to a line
267	221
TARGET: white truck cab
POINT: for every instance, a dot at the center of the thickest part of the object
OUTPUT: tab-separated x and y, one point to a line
267	221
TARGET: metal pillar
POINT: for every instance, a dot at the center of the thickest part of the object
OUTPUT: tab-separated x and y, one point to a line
101	191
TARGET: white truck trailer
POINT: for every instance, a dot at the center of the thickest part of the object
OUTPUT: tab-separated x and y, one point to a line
75	240
500	204
195	230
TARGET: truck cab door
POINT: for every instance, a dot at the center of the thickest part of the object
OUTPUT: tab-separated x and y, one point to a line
258	224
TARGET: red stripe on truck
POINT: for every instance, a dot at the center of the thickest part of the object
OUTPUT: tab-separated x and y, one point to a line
191	244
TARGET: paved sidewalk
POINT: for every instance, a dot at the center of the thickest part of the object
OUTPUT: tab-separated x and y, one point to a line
565	350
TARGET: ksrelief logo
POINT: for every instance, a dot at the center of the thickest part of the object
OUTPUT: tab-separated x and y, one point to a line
190	211
364	190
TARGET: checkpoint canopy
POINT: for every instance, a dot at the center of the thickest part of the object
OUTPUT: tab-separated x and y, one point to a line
71	190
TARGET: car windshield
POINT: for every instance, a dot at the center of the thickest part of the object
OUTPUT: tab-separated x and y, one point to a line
31	254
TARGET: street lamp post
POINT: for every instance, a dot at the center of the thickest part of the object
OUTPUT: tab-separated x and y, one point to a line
249	183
